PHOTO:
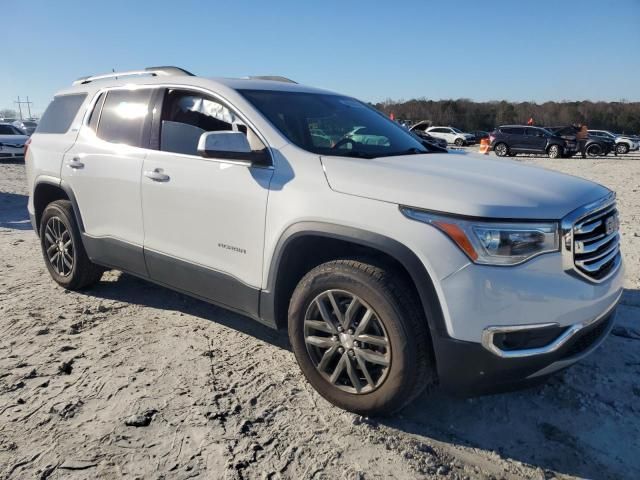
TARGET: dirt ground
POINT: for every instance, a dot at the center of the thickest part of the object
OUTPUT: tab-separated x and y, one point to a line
222	396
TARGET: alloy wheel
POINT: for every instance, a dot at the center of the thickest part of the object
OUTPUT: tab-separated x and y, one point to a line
347	342
501	150
59	246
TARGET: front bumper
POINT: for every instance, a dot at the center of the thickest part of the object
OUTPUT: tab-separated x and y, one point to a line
469	368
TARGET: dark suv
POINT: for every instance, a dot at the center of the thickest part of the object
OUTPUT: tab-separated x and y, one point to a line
510	140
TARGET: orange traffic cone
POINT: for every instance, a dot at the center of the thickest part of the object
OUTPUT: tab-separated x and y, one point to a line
484	146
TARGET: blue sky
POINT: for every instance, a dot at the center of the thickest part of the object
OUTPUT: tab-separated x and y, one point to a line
537	50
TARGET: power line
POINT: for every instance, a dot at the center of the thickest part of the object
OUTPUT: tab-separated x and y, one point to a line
27	103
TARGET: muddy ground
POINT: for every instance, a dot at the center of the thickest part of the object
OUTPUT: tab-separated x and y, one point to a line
222	397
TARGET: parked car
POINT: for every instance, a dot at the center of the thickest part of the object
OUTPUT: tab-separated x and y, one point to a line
593	146
391	269
420	128
12	142
27	126
452	135
624	144
480	135
513	139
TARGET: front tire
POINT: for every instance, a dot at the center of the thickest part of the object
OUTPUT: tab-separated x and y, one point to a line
62	248
360	338
554	151
622	149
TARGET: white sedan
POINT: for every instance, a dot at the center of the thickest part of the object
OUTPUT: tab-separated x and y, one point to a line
12	142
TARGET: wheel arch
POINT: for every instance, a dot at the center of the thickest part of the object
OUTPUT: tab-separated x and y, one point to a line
47	191
305	245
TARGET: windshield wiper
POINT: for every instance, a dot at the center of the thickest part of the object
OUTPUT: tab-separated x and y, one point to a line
353	153
409	151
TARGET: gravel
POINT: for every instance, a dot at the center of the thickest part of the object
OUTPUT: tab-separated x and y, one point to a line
228	401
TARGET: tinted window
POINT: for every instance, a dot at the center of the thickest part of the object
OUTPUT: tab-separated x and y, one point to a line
513	130
187	115
9	130
95	113
60	113
125	116
333	125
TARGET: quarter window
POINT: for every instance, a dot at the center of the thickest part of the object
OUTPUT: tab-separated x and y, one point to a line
187	115
125	117
60	113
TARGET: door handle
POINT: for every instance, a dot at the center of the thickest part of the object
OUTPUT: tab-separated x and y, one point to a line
75	163
157	175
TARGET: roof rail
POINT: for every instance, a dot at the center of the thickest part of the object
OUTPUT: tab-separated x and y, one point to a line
151	71
275	78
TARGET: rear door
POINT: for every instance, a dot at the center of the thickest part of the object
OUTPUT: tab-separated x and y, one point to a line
535	139
515	138
103	170
204	218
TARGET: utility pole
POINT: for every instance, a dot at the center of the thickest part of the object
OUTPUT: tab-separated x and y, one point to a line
27	103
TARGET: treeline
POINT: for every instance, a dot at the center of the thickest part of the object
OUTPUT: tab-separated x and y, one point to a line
621	117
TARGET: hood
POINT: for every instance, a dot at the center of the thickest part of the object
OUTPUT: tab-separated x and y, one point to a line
14	139
463	184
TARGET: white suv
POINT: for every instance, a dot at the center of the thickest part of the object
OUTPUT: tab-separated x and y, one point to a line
452	135
392	269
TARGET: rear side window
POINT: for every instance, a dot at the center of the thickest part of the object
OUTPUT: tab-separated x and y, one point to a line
60	113
126	117
512	131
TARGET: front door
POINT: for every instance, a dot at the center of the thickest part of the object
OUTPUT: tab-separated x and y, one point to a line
204	218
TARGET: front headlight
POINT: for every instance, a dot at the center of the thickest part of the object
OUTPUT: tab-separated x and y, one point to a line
493	242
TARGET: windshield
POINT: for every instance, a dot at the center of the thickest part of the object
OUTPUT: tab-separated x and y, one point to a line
333	125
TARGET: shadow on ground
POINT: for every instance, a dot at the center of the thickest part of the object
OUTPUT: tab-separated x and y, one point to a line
13	211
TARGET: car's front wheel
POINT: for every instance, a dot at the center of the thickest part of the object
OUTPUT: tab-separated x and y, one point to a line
622	148
62	248
554	151
360	337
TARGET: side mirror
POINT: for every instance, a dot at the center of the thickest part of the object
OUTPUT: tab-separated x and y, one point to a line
228	145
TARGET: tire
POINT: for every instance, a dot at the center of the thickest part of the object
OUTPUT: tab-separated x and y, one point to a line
554	151
59	234
459	142
501	149
594	150
622	148
403	366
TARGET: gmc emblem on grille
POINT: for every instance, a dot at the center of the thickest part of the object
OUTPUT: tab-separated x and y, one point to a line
611	224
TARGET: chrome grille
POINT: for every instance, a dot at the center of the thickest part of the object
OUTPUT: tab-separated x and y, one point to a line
596	243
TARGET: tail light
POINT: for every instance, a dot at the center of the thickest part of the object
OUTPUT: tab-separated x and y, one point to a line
26	147
491	138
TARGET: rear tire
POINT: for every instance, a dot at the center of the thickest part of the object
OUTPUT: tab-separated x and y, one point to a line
554	151
62	248
355	368
459	142
622	148
501	149
594	150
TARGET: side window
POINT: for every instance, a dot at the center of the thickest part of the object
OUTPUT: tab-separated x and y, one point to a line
95	113
125	117
187	115
60	113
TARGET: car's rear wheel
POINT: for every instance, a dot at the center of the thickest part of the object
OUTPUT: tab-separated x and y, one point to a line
459	142
594	150
501	149
62	248
360	338
554	151
622	148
